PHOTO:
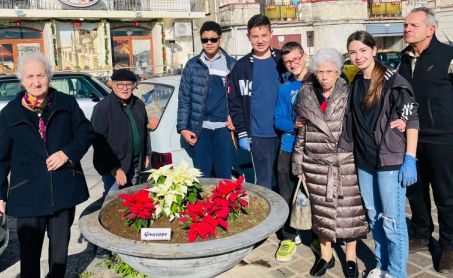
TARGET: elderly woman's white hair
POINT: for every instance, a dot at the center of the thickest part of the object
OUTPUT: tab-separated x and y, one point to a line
328	54
35	56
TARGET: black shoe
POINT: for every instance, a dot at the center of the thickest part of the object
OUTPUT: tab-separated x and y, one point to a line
321	266
352	271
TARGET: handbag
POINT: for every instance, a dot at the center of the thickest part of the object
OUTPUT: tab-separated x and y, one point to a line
301	215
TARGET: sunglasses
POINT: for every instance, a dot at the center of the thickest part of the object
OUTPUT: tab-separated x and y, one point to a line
206	40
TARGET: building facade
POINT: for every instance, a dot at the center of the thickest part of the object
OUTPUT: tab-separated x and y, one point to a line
325	23
96	36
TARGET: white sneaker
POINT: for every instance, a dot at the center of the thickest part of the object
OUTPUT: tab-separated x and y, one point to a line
297	240
377	273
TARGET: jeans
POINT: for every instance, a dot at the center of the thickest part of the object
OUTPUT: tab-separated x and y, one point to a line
384	199
286	185
264	152
214	150
435	166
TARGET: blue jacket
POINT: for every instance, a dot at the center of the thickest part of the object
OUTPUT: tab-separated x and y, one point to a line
193	90
240	90
33	191
285	115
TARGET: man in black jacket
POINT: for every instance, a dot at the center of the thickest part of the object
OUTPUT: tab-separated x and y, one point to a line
122	147
428	66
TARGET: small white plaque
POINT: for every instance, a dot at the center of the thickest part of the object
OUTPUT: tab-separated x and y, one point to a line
155	233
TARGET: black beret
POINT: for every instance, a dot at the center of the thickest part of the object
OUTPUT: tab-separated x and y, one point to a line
123	74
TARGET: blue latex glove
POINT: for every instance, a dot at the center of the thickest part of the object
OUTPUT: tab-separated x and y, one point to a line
244	143
408	171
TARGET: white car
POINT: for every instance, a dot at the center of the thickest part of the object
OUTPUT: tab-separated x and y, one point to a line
160	96
85	88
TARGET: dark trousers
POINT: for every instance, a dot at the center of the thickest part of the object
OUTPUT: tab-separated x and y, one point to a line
286	184
435	165
214	150
264	152
30	232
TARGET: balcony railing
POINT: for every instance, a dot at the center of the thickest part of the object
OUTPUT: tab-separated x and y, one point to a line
384	8
281	12
111	5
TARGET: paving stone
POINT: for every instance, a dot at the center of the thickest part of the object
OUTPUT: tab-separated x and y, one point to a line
300	266
412	269
282	272
421	259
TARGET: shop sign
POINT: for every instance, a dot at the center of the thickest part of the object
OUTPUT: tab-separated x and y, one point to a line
79	3
379	2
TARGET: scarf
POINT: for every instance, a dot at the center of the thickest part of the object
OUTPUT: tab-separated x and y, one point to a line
37	107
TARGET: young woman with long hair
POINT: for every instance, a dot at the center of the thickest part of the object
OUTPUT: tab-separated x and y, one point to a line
384	156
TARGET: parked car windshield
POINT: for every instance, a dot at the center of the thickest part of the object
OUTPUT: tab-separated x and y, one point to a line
78	86
156	98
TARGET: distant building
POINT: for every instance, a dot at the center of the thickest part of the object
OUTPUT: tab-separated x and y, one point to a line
96	36
324	23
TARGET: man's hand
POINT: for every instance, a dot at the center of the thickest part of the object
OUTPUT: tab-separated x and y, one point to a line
230	124
189	137
146	162
408	171
398	124
244	143
2	207
56	160
119	176
299	122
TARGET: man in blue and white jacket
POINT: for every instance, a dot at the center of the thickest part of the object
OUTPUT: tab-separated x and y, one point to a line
294	59
252	96
203	119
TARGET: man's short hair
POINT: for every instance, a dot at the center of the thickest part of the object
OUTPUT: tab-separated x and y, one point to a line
211	26
430	16
258	20
290	46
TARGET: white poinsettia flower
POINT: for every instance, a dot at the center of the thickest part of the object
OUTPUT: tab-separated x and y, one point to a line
158	210
162	171
169	199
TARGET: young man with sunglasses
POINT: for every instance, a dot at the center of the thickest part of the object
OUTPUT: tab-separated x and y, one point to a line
122	146
203	116
253	88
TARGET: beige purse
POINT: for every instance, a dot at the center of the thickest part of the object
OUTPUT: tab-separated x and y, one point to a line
301	215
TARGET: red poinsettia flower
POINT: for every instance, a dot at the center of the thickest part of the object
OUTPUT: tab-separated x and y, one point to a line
139	209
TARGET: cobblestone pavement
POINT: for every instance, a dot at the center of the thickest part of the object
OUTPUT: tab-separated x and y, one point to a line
260	263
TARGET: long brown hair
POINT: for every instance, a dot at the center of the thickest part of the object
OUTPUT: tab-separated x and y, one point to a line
374	93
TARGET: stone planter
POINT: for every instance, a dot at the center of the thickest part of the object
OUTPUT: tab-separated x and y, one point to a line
199	259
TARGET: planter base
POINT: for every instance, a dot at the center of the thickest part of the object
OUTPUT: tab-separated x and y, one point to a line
190	268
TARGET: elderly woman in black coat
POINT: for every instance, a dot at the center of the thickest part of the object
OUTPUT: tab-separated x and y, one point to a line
43	136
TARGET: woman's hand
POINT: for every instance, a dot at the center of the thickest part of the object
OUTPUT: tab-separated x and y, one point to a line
301	177
56	160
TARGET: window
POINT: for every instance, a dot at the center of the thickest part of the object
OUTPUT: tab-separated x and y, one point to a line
156	98
77	86
9	89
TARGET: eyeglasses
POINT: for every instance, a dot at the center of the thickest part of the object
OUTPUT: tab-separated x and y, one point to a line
124	85
206	40
294	61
